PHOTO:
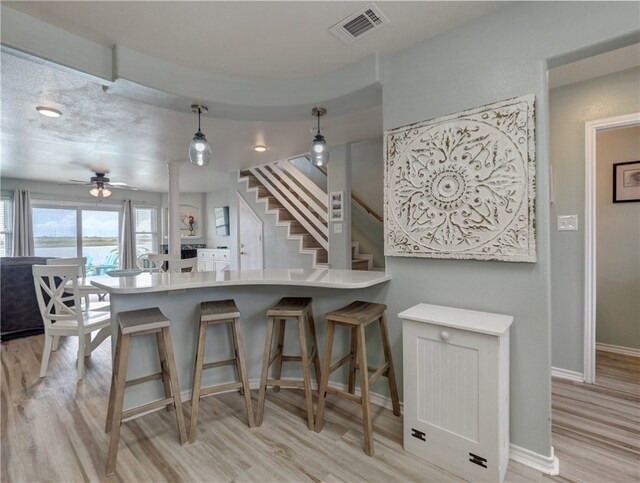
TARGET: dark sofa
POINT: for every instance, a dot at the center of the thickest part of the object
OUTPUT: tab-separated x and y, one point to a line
19	313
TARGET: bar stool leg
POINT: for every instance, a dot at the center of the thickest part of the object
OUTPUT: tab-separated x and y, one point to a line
197	380
279	353
175	388
163	368
114	376
306	374
118	398
391	376
352	361
242	370
364	389
324	379
314	344
266	357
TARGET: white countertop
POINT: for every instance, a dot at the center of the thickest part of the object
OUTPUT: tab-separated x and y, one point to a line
482	322
160	282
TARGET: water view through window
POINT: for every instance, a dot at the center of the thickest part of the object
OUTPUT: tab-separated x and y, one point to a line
71	232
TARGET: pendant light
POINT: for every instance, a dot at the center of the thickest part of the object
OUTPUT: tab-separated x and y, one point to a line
199	150
319	149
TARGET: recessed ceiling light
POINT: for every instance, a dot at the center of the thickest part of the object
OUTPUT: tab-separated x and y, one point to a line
260	148
48	111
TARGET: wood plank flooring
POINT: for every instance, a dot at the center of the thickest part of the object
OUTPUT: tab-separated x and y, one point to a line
52	429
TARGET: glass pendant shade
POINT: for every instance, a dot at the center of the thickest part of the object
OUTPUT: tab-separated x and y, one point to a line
199	150
319	151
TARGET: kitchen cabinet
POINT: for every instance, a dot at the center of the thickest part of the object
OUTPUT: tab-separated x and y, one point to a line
213	259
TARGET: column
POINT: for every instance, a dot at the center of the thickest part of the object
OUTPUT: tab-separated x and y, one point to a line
339	180
174	207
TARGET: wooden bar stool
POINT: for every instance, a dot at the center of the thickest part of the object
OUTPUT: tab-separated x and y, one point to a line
289	308
211	313
357	316
133	324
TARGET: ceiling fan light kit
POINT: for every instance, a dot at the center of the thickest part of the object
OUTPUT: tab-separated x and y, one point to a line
319	150
199	150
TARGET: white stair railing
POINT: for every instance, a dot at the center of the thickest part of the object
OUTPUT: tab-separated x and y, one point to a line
293	190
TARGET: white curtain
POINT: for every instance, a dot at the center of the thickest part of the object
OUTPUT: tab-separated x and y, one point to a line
22	225
127	236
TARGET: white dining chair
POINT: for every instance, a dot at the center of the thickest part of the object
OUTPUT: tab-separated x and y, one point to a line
186	264
156	262
81	262
59	303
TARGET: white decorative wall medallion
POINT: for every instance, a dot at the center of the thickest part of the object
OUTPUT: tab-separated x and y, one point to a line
463	185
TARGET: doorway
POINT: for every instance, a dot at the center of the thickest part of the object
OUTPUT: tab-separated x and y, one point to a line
250	247
592	131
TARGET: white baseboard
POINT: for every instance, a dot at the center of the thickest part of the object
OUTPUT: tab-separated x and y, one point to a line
618	349
567	374
549	465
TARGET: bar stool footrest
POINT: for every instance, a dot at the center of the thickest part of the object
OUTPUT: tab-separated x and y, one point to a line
285	383
340	363
344	394
133	412
213	365
377	372
142	380
208	391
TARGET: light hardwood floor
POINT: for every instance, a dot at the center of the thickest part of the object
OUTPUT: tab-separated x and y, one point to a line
52	430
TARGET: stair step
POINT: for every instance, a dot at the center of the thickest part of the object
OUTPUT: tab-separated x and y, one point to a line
322	256
263	192
309	242
285	215
245	173
273	203
359	264
296	228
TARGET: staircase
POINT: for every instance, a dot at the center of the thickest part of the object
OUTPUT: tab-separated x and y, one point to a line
301	206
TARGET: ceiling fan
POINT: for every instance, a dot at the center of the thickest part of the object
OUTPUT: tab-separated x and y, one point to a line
101	185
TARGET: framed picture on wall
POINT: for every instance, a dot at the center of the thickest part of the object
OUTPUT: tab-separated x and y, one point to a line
336	206
626	182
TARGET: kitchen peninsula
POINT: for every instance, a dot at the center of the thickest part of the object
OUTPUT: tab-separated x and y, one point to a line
178	295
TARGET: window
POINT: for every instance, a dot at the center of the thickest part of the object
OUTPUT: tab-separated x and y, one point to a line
70	231
146	230
6	227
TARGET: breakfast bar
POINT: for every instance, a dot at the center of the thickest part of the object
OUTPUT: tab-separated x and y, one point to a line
178	296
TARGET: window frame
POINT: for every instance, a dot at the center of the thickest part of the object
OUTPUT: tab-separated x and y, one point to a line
7	229
154	226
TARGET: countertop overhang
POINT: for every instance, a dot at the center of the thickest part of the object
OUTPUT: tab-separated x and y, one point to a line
160	282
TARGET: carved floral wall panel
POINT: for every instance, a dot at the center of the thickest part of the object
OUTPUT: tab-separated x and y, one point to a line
463	185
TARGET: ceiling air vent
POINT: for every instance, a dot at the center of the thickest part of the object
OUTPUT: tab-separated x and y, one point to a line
359	24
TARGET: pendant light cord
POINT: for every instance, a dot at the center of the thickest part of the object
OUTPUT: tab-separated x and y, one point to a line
199	110
318	122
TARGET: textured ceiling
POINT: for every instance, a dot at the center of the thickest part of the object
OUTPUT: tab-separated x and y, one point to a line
132	140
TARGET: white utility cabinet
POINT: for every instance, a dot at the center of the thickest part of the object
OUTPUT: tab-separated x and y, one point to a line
456	389
213	259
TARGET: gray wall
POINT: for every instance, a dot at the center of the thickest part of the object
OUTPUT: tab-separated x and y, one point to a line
617	245
493	58
367	171
279	251
570	107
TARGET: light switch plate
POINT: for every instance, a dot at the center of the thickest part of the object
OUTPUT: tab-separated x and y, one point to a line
568	223
337	227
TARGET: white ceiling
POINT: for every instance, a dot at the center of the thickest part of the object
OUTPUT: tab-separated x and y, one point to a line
596	66
275	40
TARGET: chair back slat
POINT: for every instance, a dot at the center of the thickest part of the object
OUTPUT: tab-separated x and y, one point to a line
81	262
156	262
177	266
57	293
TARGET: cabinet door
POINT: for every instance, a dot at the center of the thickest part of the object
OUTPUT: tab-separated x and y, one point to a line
205	265
450	390
221	265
